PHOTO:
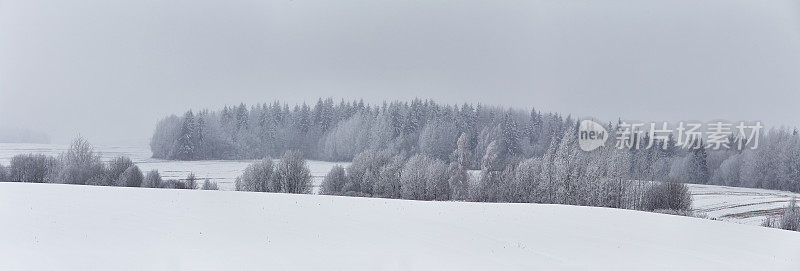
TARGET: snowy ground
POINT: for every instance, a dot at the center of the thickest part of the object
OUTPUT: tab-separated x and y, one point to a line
734	204
70	227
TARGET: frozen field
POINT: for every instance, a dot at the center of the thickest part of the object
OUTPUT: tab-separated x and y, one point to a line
224	172
735	204
68	227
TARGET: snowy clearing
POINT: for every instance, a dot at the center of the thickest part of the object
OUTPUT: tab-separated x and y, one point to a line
70	227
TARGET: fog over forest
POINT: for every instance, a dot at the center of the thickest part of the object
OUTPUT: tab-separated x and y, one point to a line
108	70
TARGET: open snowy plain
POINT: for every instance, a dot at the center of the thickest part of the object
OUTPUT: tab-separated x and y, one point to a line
70	227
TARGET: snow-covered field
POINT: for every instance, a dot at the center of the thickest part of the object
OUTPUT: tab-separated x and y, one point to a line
735	204
69	227
224	172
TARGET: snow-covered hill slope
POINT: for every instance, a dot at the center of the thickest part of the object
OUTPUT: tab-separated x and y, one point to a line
67	227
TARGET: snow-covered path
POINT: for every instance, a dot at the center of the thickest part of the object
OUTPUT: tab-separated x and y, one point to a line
68	227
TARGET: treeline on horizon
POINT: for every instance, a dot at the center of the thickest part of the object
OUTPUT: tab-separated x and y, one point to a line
340	131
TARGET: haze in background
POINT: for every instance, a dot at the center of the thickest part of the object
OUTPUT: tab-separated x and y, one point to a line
110	69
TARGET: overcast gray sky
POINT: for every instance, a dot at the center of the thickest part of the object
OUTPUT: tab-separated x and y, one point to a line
110	69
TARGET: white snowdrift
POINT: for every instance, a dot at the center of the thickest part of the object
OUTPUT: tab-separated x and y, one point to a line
66	227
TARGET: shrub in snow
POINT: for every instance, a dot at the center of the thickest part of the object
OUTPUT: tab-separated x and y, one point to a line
790	220
33	168
770	222
174	184
388	183
81	164
115	169
152	179
412	179
364	170
132	177
293	174
669	195
425	178
528	179
209	185
257	177
334	181
191	181
437	179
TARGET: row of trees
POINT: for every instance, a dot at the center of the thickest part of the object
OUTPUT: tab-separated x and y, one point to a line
564	175
331	131
82	165
775	164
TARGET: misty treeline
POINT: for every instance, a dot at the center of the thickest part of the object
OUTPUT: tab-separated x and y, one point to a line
340	131
80	164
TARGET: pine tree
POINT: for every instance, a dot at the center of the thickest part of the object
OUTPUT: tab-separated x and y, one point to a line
191	181
509	141
698	171
184	146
